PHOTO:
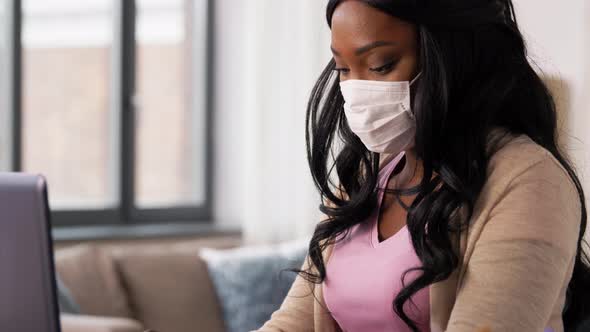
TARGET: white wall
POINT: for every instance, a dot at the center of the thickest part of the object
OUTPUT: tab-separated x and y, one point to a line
558	36
229	98
268	56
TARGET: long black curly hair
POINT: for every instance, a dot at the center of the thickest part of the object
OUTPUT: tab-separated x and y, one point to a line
475	77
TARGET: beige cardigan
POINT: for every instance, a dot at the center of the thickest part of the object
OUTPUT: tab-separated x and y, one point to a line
516	258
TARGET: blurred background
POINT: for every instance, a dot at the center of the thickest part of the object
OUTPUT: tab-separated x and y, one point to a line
171	133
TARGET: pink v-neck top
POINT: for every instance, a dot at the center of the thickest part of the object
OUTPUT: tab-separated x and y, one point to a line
363	275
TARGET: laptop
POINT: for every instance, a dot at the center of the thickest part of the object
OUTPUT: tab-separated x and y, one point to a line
28	301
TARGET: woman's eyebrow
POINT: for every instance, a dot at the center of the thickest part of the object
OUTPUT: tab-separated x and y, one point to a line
371	46
368	47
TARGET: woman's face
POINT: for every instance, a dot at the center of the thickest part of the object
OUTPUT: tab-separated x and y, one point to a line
369	44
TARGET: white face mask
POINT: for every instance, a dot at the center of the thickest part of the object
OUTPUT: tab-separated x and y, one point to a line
379	114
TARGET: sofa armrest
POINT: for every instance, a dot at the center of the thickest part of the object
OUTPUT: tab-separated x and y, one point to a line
85	323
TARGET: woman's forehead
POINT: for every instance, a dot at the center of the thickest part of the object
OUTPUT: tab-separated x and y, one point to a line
355	24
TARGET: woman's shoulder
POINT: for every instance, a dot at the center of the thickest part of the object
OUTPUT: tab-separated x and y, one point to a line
524	172
513	156
528	196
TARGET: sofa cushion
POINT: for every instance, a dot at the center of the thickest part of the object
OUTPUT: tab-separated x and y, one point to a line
252	281
169	288
83	323
90	276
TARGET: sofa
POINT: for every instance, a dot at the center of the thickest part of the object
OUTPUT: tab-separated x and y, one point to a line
136	286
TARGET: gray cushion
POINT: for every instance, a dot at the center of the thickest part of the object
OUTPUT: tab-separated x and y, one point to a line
249	282
64	298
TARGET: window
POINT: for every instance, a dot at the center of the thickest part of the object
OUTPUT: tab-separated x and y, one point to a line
67	116
6	92
111	106
169	167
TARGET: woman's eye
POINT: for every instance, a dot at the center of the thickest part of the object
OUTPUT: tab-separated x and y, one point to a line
341	70
385	68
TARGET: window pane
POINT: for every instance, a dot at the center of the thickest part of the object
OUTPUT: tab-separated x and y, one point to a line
68	130
170	140
5	100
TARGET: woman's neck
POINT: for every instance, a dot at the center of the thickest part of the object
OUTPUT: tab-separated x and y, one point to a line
411	174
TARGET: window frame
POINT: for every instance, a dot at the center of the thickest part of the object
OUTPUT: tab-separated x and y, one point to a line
123	87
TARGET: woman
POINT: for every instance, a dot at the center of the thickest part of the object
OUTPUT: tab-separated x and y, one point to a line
455	209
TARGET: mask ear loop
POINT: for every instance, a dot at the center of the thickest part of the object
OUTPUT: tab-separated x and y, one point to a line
410	85
416	78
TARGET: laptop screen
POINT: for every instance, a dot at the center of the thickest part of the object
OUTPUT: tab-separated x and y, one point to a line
27	279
